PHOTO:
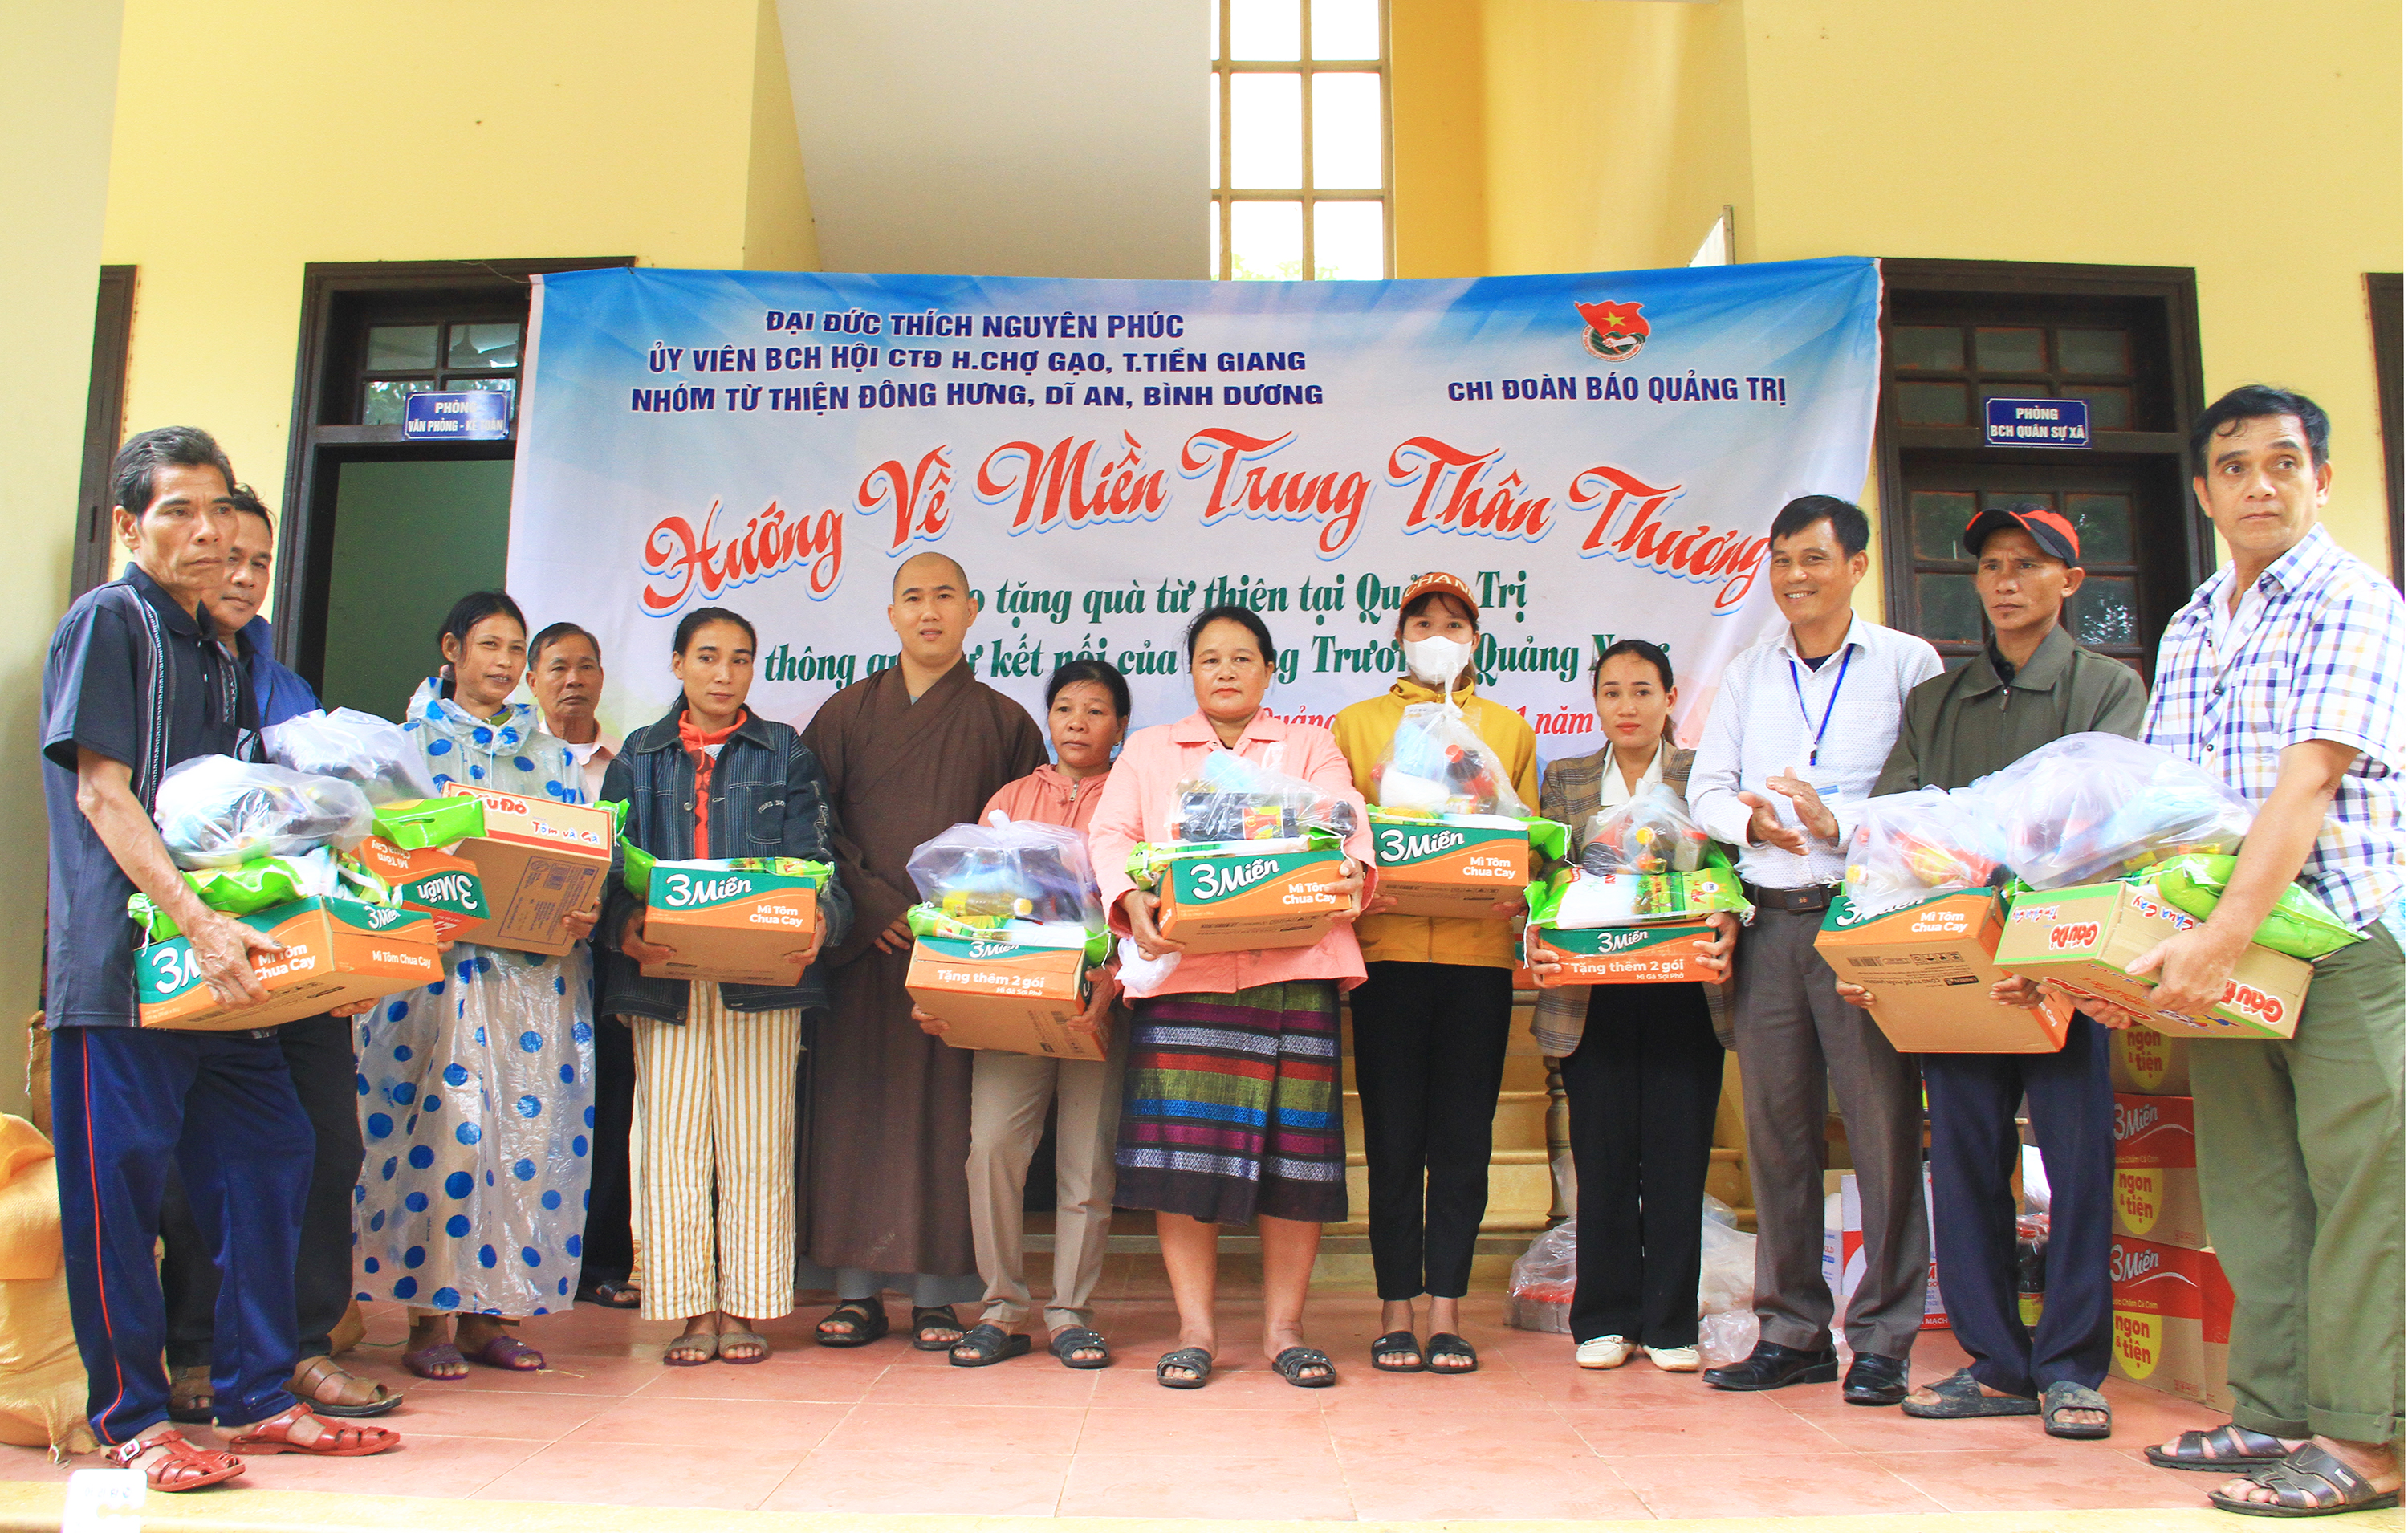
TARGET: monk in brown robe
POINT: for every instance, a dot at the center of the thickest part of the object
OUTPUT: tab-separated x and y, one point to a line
909	751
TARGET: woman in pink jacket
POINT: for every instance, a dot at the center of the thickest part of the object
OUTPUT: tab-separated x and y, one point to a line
1232	1113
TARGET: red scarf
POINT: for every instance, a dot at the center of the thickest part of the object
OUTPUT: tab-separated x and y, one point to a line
696	740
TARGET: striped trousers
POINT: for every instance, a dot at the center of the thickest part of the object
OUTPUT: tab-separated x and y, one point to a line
718	1101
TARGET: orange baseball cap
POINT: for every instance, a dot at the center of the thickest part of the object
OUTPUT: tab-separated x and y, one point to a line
1441	582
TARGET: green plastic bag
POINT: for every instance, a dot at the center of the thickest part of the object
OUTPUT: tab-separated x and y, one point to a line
1148	861
927	919
420	822
2299	923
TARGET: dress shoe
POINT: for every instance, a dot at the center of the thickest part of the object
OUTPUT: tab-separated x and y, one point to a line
1773	1364
1875	1380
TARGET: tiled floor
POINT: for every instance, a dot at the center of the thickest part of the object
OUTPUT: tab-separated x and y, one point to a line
887	1430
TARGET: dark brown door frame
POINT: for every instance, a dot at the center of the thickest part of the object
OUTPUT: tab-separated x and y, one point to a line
323	436
104	424
2383	314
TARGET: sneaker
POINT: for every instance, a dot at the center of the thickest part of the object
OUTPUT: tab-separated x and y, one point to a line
1676	1359
1603	1351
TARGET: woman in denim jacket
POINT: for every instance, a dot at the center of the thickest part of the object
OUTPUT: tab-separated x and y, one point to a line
715	1062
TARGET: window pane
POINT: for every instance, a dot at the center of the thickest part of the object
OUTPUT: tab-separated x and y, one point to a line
1213	143
1346	132
2099	353
2104	611
2111	409
486	383
1940	517
1931	403
483	346
1345	29
2105	525
1263	29
1947	607
2016	350
1349	240
2018	500
1928	347
1267	130
383	404
1267	241
398	348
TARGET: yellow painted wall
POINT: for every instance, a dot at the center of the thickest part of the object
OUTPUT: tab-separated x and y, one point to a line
1437	99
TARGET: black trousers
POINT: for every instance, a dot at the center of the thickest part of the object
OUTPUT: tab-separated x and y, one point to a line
1973	1153
325	1077
1429	1059
1643	1088
610	1252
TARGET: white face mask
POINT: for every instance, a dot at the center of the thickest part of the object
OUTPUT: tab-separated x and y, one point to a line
1437	660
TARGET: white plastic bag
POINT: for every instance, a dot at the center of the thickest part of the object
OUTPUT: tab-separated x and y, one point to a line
2096	806
1910	846
1436	763
1538	1294
215	811
359	748
1727	1271
1653	833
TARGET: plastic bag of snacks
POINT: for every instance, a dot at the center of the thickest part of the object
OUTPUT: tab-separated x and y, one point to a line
1653	833
1909	846
1438	764
1233	799
1576	899
2299	923
359	748
1539	1292
263	882
414	822
215	811
1020	871
2095	806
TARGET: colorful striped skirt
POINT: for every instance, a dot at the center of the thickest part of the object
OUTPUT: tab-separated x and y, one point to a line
1232	1106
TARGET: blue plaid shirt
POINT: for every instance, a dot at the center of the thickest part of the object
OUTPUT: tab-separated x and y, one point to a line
2322	655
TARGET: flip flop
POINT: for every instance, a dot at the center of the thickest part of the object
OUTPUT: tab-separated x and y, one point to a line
611	1295
987	1345
2220	1449
508	1353
2308	1483
1290	1365
692	1350
2065	1394
759	1343
426	1360
1961	1399
1448	1344
1396	1342
1195	1360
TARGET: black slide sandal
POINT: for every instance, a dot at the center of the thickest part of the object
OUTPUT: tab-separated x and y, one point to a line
869	1322
987	1345
2220	1449
1395	1341
1080	1338
936	1317
2065	1394
1195	1360
1448	1344
1290	1365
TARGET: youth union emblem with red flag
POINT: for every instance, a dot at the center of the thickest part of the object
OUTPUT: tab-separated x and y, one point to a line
1615	330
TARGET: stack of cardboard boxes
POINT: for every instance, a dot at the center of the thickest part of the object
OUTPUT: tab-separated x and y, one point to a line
2173	1310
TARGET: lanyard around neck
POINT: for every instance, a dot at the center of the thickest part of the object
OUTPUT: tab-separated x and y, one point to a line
1815	751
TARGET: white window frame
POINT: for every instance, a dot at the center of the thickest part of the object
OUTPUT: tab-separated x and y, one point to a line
1225	196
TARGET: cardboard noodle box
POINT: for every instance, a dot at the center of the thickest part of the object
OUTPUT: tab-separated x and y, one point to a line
2157	1171
1228	901
2172	1321
1435	868
1663	954
336	952
538	861
442	883
2148	1063
1929	967
732	926
1844	1249
2082	938
1002	995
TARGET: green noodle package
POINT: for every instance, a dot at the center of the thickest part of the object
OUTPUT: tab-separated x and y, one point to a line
2299	923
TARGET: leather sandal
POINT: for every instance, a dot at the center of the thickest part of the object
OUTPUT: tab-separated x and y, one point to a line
190	1398
1448	1344
611	1295
868	1317
934	1318
181	1467
984	1344
1079	1339
2065	1394
310	1380
275	1435
1291	1363
2308	1483
2227	1449
1195	1360
1393	1343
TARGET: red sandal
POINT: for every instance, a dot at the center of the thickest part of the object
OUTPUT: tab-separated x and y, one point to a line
181	1468
275	1435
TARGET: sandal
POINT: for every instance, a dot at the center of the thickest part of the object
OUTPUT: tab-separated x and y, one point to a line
1961	1399
753	1339
1290	1365
510	1355
934	1318
314	1374
611	1295
984	1345
426	1360
190	1396
2065	1394
2220	1449
181	1467
2308	1483
1448	1344
692	1350
1393	1343
1195	1360
868	1317
1079	1339
275	1435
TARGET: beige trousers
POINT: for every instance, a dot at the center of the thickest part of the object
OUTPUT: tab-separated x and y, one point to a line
716	1094
1008	1097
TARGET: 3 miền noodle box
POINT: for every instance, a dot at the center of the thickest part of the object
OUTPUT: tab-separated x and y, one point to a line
1930	965
336	952
728	922
443	884
2172	1321
2157	1171
538	861
2148	1063
1455	865
1657	954
2084	938
1004	990
1227	896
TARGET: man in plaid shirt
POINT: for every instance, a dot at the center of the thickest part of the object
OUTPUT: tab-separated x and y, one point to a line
2283	675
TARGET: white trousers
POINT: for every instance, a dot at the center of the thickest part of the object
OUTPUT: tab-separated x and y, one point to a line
1008	1097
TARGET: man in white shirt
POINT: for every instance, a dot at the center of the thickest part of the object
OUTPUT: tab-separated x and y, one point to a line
1798	732
565	673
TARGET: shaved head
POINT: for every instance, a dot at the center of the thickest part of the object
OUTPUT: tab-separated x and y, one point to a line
929	569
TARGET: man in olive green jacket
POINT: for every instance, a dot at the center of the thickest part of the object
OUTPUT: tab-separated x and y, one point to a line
2030	685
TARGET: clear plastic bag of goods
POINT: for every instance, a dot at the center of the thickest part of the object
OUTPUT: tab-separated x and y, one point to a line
1539	1292
1233	799
1020	871
2096	806
1576	899
359	748
1910	846
2299	923
1653	833
1436	763
215	811
1727	1267
1726	1336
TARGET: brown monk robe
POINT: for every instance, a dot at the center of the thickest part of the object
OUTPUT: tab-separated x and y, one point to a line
884	1200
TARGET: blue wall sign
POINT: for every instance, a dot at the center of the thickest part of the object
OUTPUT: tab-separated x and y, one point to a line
2023	423
471	415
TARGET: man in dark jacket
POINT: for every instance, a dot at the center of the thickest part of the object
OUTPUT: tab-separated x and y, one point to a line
2031	685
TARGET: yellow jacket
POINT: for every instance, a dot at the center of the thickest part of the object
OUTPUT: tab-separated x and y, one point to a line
1363	731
